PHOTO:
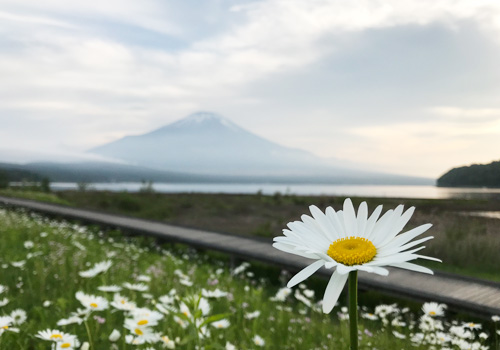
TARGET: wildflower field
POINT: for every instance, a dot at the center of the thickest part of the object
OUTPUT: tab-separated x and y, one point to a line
66	286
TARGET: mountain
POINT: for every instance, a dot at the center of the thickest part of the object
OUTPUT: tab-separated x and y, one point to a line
205	143
476	175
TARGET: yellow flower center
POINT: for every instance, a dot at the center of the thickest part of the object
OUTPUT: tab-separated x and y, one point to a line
56	336
65	345
432	313
5	327
352	251
138	331
142	322
94	305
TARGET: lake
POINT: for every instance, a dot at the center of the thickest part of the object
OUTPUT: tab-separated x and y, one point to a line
394	191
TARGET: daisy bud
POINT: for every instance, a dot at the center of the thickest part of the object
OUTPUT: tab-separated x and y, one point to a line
114	336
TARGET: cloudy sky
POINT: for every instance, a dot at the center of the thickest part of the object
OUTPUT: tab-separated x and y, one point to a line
409	87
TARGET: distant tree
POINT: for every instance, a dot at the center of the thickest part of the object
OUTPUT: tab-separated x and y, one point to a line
45	185
4	180
82	186
147	187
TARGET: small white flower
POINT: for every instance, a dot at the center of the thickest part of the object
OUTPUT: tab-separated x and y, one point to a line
433	309
230	346
471	325
217	293
167	342
143	278
398	335
122	303
221	324
114	336
92	302
495	318
18	264
140	287
257	340
98	268
52	335
70	320
29	244
252	315
111	289
18	316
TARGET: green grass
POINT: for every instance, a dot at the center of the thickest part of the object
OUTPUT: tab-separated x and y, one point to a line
33	194
467	245
50	274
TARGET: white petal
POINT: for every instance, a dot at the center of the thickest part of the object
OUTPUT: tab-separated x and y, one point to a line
429	258
350	224
326	226
409	235
393	250
370	224
289	249
333	290
362	218
380	271
390	226
381	226
334	220
305	273
342	269
413	267
399	225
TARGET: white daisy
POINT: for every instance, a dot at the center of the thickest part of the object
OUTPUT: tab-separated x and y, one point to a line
217	293
221	324
140	287
18	316
433	309
112	288
122	303
70	320
92	302
5	323
98	268
351	242
252	315
114	336
52	335
167	342
257	340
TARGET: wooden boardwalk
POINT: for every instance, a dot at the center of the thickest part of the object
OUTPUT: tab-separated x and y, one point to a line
481	298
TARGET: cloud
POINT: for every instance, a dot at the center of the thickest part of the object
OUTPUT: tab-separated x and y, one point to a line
296	72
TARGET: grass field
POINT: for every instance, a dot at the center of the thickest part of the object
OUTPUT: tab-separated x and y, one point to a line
467	245
187	299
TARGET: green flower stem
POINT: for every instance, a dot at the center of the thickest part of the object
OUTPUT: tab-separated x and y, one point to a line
89	334
353	309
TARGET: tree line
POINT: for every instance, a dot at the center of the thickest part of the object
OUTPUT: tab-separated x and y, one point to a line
476	175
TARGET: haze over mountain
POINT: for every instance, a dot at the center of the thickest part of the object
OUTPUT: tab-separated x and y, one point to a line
209	144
